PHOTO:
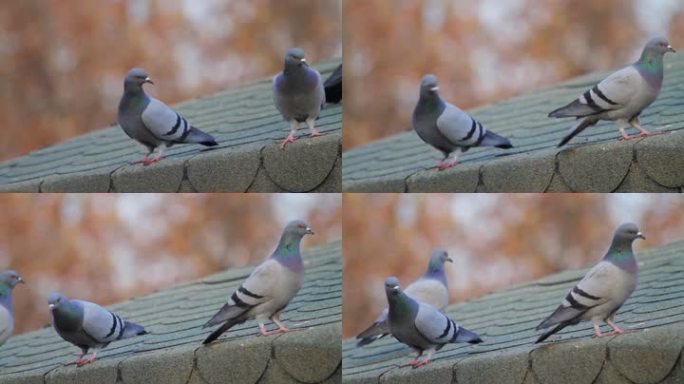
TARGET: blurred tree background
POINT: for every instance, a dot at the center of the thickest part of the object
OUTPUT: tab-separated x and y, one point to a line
62	62
483	50
108	248
494	240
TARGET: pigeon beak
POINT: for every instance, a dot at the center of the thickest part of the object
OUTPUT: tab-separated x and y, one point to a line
434	89
148	80
670	49
51	306
309	231
19	279
449	260
303	60
640	235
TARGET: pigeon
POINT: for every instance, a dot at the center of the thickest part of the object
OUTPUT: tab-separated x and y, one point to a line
8	279
268	289
151	122
431	288
333	86
87	325
603	290
447	128
298	94
621	96
421	326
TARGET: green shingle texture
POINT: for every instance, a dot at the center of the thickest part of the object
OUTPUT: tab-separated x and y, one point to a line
173	353
593	161
650	351
244	122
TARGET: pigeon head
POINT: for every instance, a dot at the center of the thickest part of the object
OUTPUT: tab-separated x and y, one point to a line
438	257
289	241
56	300
620	251
392	287
136	77
429	86
298	228
628	232
658	45
653	52
294	57
10	278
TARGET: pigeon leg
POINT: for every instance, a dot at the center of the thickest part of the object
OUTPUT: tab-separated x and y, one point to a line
424	361
616	330
264	332
281	327
310	122
597	331
153	159
635	124
442	165
80	358
89	359
290	137
625	136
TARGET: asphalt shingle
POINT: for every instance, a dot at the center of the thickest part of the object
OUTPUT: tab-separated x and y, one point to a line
244	122
173	353
594	161
650	352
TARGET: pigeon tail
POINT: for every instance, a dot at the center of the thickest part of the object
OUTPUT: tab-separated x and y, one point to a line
226	326
491	139
575	109
465	336
378	330
132	329
577	128
550	332
369	339
199	137
226	313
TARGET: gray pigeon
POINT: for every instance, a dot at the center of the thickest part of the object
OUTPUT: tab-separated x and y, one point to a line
447	128
421	326
621	96
298	94
8	279
268	289
431	288
151	122
87	325
603	290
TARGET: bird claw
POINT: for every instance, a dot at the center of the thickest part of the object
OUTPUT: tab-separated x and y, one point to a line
285	141
315	133
148	160
82	362
442	165
415	363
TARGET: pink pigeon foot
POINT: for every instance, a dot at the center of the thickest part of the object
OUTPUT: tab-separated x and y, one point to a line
79	359
285	141
264	332
417	363
446	165
315	133
88	360
636	136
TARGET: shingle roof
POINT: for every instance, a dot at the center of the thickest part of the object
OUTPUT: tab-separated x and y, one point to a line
173	352
593	161
506	321
246	125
